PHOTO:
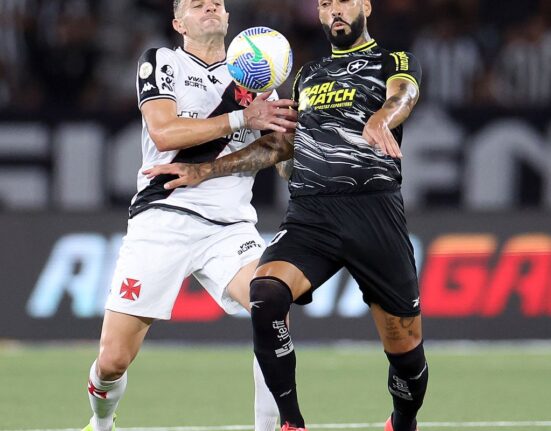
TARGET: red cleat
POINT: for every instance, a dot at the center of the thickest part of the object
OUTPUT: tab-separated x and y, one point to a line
389	427
287	427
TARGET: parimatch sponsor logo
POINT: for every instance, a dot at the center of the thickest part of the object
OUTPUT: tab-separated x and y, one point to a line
326	96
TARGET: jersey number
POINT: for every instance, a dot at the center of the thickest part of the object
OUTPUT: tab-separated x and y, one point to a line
277	237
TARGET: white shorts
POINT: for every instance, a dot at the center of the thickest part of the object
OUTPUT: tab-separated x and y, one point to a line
163	247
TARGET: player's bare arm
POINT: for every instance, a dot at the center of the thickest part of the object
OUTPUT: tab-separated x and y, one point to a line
170	132
402	95
262	153
285	168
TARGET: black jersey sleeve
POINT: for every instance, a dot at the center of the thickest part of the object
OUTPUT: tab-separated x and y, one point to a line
296	94
156	76
404	65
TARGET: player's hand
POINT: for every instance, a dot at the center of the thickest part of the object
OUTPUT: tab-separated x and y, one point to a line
378	135
263	114
188	174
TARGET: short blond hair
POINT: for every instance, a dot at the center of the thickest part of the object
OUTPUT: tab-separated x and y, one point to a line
176	4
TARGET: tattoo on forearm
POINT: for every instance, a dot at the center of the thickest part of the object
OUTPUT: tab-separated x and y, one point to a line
199	170
264	152
285	168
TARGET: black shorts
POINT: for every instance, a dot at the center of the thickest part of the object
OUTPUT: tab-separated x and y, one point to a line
365	233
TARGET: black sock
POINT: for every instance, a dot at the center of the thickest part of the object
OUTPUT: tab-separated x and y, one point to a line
408	376
270	303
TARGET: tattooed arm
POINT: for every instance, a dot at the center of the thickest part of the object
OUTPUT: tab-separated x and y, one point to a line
262	153
402	95
284	169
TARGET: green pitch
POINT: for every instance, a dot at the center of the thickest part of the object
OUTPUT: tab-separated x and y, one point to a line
45	387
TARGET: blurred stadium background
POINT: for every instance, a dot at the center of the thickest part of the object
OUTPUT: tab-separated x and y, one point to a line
477	186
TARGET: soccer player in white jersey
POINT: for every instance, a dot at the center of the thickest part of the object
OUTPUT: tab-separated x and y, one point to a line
192	112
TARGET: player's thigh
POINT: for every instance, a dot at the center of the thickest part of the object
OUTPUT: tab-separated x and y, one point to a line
399	334
379	254
239	286
154	259
225	263
121	338
301	256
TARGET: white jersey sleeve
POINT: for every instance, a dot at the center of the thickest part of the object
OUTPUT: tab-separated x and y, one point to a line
157	74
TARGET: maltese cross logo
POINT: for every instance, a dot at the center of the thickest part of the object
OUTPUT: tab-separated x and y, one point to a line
130	289
243	97
95	392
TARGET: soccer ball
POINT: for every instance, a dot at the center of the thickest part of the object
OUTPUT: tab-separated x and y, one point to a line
259	59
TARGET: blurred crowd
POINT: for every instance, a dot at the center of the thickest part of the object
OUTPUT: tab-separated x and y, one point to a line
81	55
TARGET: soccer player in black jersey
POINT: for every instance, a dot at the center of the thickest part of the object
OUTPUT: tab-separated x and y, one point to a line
346	208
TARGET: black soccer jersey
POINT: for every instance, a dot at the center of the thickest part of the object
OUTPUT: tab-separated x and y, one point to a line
336	97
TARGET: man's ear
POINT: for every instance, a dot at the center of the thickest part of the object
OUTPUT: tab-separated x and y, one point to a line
367	8
178	26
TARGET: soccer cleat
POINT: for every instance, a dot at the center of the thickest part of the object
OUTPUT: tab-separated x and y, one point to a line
89	426
389	427
287	427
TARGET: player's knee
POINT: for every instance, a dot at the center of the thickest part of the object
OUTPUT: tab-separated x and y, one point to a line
405	336
401	346
270	299
112	363
410	363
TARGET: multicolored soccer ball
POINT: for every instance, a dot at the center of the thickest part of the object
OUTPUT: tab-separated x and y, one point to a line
259	59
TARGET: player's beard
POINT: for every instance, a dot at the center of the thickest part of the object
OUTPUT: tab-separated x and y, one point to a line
343	40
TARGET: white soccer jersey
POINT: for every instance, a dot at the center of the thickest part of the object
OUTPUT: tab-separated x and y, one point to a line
200	91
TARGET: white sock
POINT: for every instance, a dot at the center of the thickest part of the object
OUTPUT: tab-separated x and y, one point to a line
265	407
104	398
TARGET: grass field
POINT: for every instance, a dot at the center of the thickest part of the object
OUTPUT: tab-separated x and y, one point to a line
45	387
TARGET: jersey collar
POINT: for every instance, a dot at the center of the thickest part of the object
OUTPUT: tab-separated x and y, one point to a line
364	47
209	67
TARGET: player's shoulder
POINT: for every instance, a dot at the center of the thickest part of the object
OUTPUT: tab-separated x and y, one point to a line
401	64
310	67
152	54
397	56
